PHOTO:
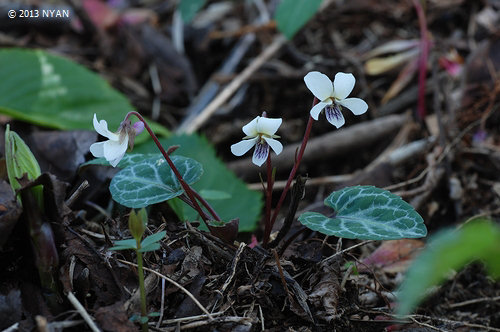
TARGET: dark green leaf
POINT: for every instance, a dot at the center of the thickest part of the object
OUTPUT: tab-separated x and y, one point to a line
367	213
153	238
244	203
189	8
52	91
152	181
150	247
291	15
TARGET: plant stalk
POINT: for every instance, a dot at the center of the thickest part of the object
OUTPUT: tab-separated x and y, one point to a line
269	195
267	231
187	188
422	63
142	290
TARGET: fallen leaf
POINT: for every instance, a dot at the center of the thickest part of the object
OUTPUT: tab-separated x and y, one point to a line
392	256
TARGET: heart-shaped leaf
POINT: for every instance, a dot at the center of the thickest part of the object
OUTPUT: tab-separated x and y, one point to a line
152	181
367	213
241	202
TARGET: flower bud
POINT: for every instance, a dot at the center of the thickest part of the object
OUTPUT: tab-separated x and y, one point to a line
136	224
20	160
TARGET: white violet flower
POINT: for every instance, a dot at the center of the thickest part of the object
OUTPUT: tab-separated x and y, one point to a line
261	133
332	97
115	147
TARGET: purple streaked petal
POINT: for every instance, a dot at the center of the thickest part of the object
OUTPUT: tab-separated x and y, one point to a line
260	153
334	115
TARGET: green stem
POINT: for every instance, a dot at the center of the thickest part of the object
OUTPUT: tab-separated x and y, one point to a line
142	290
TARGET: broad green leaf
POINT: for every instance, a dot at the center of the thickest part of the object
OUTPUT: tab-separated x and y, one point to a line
291	15
244	203
189	8
214	194
152	181
367	213
124	244
446	251
150	247
52	91
153	238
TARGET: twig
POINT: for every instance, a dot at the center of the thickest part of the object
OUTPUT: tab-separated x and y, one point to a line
216	320
283	281
74	196
185	319
458	323
346	250
297	194
81	310
234	264
427	325
176	284
228	91
474	301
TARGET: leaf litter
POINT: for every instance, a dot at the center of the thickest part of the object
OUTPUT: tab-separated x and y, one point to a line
450	179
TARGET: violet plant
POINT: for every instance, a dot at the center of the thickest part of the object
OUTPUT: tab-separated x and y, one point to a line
361	212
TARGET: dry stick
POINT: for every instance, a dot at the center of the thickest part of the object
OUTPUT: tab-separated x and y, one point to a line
81	310
191	296
228	91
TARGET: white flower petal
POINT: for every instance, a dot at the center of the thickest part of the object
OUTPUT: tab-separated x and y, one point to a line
268	126
343	85
116	161
250	129
260	154
356	105
97	149
319	84
334	116
114	149
274	144
242	147
102	128
318	108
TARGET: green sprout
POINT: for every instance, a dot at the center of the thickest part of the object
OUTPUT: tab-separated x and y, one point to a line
22	167
137	226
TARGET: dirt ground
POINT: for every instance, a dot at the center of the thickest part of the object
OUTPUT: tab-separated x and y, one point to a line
451	175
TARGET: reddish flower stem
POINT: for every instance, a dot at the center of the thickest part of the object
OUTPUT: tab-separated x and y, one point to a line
269	195
187	189
424	53
267	230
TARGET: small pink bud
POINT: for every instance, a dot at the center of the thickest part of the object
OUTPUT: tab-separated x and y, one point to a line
138	127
